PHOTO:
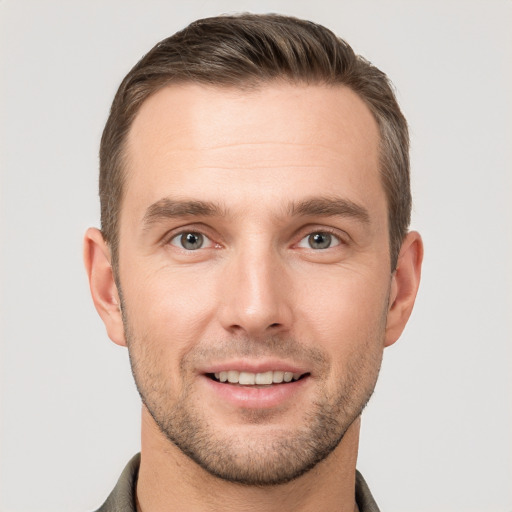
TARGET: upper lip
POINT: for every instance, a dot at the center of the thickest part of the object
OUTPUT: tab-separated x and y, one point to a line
255	366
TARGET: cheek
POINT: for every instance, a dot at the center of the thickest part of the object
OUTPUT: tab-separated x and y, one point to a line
342	292
345	312
169	308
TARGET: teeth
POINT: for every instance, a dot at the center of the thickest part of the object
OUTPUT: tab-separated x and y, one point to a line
264	378
233	376
278	377
251	379
246	379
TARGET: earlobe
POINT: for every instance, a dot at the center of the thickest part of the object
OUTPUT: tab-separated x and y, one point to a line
102	284
404	286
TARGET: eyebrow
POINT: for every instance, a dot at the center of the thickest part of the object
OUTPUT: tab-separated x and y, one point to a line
167	208
330	207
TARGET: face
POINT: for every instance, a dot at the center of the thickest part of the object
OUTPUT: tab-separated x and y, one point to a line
254	269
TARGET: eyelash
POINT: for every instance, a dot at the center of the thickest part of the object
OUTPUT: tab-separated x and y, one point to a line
188	232
311	232
324	231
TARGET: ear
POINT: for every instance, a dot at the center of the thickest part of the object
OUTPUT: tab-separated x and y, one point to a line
404	286
102	284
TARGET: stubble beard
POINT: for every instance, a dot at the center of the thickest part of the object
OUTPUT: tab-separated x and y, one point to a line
277	455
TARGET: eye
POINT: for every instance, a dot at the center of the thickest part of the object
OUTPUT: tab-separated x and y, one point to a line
319	240
190	241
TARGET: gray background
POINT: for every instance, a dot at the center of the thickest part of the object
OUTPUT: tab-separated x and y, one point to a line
437	434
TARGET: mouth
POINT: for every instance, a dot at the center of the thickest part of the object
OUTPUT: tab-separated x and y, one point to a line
256	385
263	379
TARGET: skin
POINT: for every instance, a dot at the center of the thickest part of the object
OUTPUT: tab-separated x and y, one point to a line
274	165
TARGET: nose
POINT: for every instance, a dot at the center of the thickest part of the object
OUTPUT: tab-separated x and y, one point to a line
255	295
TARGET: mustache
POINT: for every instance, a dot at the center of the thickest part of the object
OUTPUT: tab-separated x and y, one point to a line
277	346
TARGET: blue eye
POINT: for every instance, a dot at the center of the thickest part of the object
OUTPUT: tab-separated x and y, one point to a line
190	241
319	240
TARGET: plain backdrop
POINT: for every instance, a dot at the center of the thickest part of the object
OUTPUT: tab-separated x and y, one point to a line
437	433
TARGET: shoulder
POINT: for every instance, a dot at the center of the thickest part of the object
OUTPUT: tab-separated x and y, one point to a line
364	498
122	498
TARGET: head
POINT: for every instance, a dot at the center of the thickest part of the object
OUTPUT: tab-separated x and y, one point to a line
245	52
255	203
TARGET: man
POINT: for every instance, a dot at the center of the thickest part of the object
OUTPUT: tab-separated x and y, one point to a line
255	259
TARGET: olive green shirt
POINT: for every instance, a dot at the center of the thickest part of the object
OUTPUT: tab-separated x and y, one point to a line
122	498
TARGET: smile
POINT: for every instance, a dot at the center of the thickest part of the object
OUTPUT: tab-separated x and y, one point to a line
267	378
256	385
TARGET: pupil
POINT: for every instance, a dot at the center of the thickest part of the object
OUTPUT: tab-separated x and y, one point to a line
192	240
320	240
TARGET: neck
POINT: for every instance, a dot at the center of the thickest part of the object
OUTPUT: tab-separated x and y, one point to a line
168	479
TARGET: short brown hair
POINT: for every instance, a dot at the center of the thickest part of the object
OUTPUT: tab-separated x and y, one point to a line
247	50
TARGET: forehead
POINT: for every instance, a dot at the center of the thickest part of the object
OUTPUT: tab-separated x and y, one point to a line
194	139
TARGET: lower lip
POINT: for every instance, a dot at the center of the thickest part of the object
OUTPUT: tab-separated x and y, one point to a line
249	397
